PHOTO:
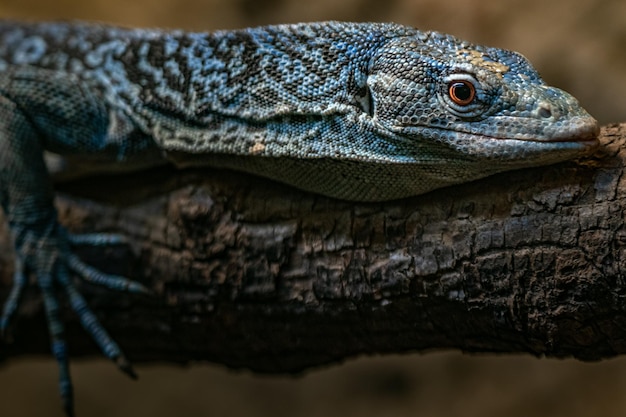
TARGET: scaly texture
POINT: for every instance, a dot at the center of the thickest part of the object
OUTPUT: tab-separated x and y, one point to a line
354	111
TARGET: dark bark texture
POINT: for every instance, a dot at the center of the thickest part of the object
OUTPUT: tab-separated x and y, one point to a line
254	274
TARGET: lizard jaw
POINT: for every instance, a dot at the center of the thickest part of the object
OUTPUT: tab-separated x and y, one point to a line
578	129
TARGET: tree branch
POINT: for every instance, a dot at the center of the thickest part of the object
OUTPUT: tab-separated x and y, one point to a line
254	274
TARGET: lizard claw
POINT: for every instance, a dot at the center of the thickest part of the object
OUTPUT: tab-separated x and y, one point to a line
125	366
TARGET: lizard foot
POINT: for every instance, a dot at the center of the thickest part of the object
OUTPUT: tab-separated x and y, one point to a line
50	259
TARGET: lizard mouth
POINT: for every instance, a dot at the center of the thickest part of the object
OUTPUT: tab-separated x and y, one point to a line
555	141
577	130
581	130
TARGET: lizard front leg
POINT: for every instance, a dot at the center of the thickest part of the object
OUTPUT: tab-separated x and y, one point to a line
42	245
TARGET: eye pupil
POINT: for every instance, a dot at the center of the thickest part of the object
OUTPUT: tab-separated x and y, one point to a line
461	92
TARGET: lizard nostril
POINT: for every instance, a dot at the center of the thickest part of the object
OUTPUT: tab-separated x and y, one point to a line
545	112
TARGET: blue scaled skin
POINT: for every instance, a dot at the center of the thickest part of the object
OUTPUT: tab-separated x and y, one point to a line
362	112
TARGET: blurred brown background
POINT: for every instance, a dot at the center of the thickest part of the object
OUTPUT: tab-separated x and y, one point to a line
578	45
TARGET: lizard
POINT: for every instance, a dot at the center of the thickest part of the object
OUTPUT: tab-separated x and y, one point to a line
354	111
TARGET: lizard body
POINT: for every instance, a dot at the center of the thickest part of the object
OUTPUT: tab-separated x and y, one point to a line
356	111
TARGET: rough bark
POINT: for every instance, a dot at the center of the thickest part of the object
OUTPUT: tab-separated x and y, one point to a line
254	274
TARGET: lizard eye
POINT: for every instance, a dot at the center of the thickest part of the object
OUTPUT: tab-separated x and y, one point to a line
463	95
461	92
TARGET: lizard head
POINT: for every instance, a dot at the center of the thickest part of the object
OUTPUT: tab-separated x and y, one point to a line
484	102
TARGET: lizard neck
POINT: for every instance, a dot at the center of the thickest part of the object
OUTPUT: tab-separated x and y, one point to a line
193	86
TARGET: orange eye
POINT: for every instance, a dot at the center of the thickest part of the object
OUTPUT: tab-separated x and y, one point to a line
461	92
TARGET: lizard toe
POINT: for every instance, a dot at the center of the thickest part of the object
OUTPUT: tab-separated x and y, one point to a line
11	304
96	239
112	282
